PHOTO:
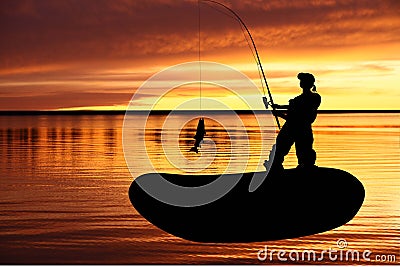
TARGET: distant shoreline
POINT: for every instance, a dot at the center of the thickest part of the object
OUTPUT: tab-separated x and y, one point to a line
164	112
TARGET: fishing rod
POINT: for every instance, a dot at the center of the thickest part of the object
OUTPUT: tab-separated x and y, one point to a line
257	56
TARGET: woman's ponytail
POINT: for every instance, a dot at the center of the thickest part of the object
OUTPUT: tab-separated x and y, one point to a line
314	88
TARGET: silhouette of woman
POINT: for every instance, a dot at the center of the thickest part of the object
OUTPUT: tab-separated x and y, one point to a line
299	115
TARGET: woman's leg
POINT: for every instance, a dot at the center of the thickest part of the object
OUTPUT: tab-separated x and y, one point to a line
284	142
306	155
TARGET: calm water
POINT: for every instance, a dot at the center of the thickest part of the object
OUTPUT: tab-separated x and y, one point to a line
64	184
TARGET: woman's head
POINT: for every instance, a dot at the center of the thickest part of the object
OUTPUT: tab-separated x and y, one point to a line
307	81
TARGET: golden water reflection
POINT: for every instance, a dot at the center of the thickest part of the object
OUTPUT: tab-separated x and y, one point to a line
64	184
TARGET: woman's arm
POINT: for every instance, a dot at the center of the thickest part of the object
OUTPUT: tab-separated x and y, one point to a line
280	113
276	106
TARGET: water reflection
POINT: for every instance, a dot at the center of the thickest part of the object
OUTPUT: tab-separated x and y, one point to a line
76	134
52	134
110	141
38	147
64	186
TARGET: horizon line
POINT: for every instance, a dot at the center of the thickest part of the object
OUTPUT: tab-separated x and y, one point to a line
163	112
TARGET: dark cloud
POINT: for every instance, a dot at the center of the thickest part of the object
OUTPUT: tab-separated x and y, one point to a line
38	32
48	31
55	100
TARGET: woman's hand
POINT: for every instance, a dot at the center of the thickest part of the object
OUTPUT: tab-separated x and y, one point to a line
280	113
275	106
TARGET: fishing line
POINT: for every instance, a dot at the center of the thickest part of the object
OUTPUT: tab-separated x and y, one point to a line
199	50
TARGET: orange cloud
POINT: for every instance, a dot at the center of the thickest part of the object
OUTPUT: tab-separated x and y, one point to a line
62	54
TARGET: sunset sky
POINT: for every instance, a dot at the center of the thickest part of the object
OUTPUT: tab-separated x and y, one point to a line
94	54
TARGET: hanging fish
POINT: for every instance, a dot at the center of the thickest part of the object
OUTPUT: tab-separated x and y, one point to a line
200	133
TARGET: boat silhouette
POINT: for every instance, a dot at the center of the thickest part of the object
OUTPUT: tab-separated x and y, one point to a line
289	204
